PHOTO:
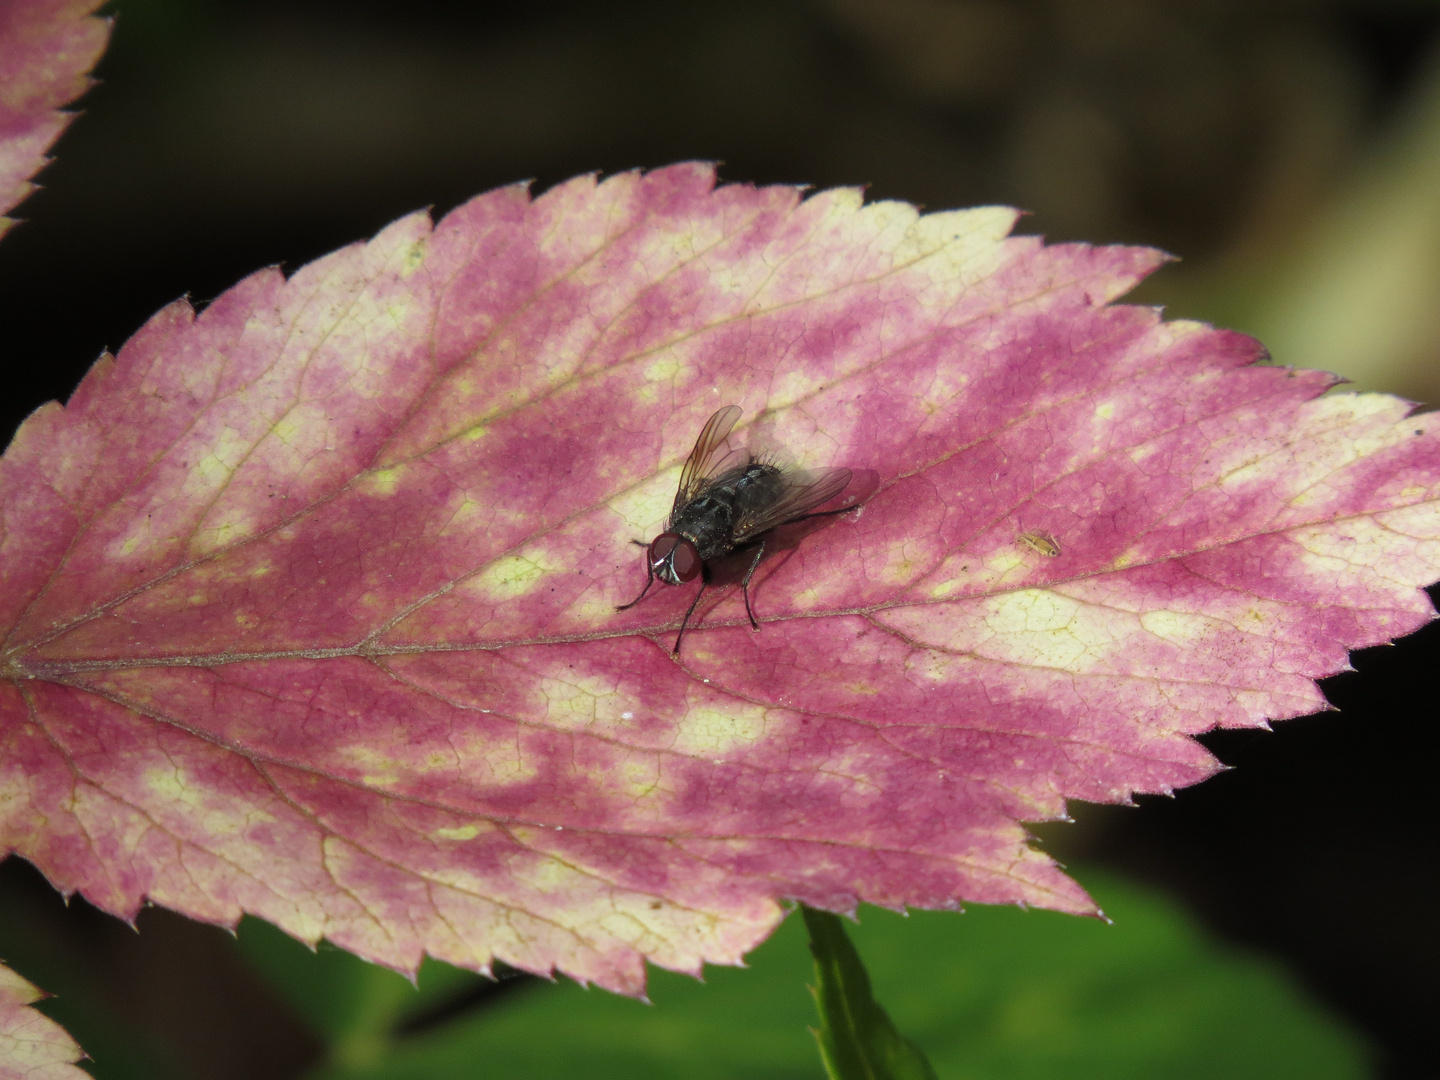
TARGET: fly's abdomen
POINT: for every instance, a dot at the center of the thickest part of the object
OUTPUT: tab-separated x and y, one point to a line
759	483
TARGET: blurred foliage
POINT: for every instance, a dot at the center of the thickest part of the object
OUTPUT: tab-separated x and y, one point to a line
1353	284
1287	149
175	1001
993	993
996	992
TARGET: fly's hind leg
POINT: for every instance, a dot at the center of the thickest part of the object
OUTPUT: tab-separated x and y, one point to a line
745	583
760	554
817	513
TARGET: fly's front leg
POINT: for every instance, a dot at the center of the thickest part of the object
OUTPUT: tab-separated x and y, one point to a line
649	579
704	581
745	583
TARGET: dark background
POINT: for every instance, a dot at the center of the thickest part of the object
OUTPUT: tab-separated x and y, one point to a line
227	136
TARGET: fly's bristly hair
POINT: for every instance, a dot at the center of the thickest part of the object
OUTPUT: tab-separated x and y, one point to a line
728	502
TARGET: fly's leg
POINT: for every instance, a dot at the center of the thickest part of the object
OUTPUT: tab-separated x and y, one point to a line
760	554
745	583
807	517
649	580
704	581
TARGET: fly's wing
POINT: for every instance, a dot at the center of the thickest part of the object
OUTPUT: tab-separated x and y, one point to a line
698	465
799	493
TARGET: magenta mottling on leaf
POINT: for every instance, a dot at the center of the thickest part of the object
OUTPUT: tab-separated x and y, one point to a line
312	596
47	47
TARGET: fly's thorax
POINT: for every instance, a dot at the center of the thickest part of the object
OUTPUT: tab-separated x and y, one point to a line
708	522
709	519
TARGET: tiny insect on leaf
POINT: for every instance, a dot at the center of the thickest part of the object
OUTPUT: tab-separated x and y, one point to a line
1040	542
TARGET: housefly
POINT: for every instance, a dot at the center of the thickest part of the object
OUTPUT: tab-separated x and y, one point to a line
729	502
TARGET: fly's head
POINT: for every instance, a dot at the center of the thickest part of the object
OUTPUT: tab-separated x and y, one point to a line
673	559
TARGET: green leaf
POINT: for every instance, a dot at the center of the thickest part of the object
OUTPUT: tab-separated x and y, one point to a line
993	993
857	1040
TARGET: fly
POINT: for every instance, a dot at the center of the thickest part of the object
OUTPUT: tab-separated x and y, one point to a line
726	503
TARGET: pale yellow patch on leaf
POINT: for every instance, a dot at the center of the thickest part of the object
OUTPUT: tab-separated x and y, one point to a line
291	428
376	767
511	767
228	526
412	258
639	777
169	784
1043	628
550	877
172	786
214	469
897	565
1395	545
458	832
499	761
706	731
383	482
577	702
1419	522
811	598
1004	561
511	577
663	369
661	930
959	243
1178	627
642	509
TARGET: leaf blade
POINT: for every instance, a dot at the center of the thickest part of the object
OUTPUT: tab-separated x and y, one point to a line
47	48
311	597
32	1046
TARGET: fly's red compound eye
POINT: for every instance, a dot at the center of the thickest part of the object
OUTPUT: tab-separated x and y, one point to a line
686	561
674	558
661	547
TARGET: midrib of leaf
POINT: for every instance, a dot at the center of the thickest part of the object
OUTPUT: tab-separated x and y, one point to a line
16	667
325	498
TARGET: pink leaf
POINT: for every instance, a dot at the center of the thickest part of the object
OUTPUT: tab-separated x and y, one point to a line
46	49
312	596
32	1046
